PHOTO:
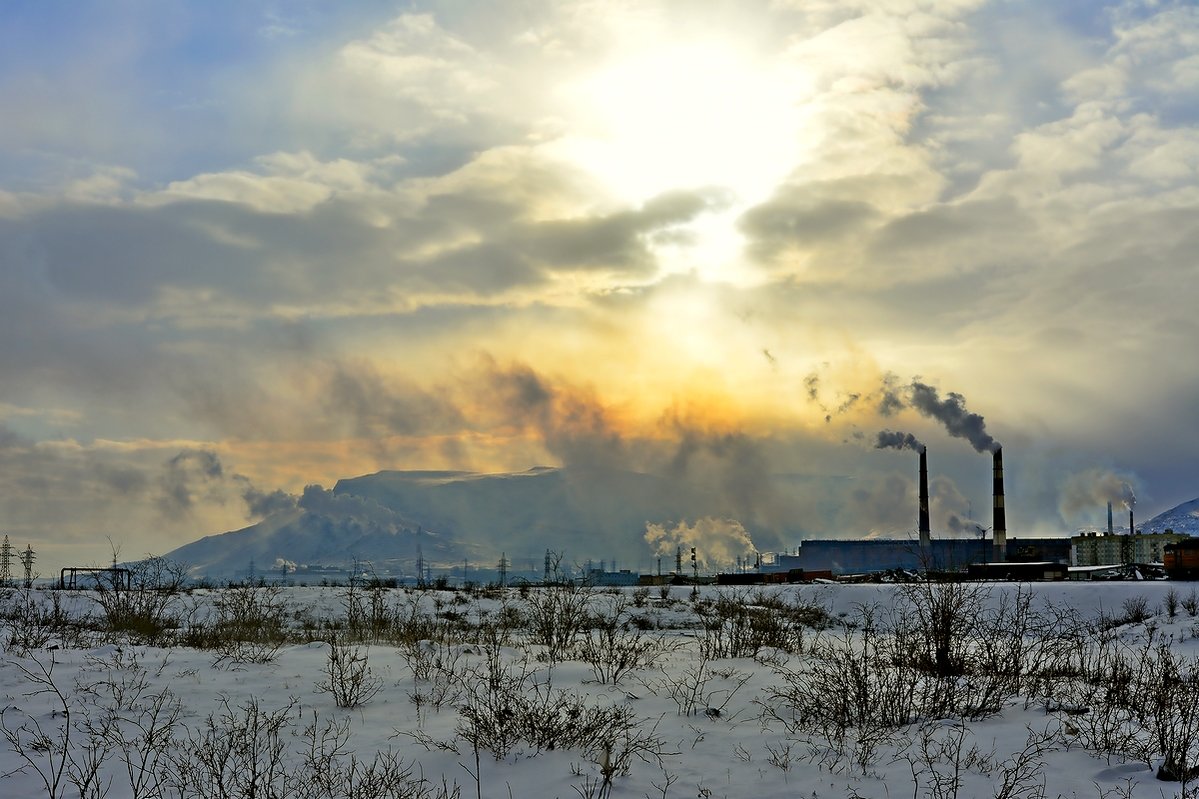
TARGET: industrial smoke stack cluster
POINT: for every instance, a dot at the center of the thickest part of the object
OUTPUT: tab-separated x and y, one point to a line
999	520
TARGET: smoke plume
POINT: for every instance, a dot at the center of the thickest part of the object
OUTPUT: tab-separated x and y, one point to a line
197	476
952	414
1093	489
716	541
890	439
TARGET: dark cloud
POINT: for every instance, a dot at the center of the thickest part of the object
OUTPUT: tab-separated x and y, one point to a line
804	217
8	438
379	406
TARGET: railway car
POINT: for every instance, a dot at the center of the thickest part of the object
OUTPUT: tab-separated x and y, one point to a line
1181	560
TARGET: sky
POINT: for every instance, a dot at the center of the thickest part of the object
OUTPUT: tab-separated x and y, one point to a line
250	246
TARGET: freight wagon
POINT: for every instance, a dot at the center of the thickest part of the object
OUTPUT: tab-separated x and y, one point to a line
1182	559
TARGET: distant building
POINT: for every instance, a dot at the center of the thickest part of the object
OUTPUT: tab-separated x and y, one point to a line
866	555
1111	549
599	577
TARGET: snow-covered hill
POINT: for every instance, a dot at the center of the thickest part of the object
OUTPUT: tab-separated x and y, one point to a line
1182	518
581	513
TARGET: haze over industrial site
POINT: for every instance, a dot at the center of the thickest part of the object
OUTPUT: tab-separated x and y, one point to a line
600	277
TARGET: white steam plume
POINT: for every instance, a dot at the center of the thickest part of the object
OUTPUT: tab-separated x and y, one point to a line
716	541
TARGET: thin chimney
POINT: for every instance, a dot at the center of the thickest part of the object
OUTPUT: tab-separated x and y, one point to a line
1132	528
999	524
925	527
1110	529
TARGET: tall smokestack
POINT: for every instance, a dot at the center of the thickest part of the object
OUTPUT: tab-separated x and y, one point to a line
1132	528
999	525
1111	530
925	527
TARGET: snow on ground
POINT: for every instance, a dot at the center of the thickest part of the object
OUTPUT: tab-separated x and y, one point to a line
699	725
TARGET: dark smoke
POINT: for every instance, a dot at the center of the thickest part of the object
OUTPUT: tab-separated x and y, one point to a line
197	475
957	524
951	412
891	403
191	473
261	504
890	439
848	403
812	384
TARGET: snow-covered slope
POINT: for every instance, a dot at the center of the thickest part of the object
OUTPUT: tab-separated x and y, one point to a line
1182	518
324	530
456	515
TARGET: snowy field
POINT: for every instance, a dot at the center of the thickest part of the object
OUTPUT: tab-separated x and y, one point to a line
997	690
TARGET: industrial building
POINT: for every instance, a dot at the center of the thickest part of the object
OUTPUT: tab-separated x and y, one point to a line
924	553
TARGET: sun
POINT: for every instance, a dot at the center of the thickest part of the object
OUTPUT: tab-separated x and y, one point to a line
702	113
697	114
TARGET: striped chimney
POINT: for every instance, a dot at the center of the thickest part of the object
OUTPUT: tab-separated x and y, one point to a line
999	523
925	527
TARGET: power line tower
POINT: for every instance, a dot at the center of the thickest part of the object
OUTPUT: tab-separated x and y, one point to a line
27	559
503	569
5	563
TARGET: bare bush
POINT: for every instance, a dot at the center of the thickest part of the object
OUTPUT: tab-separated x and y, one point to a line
1135	609
348	677
507	708
941	615
331	770
31	622
734	627
699	687
141	720
1190	603
1140	701
854	693
250	625
1171	600
612	649
556	616
239	751
46	750
144	605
